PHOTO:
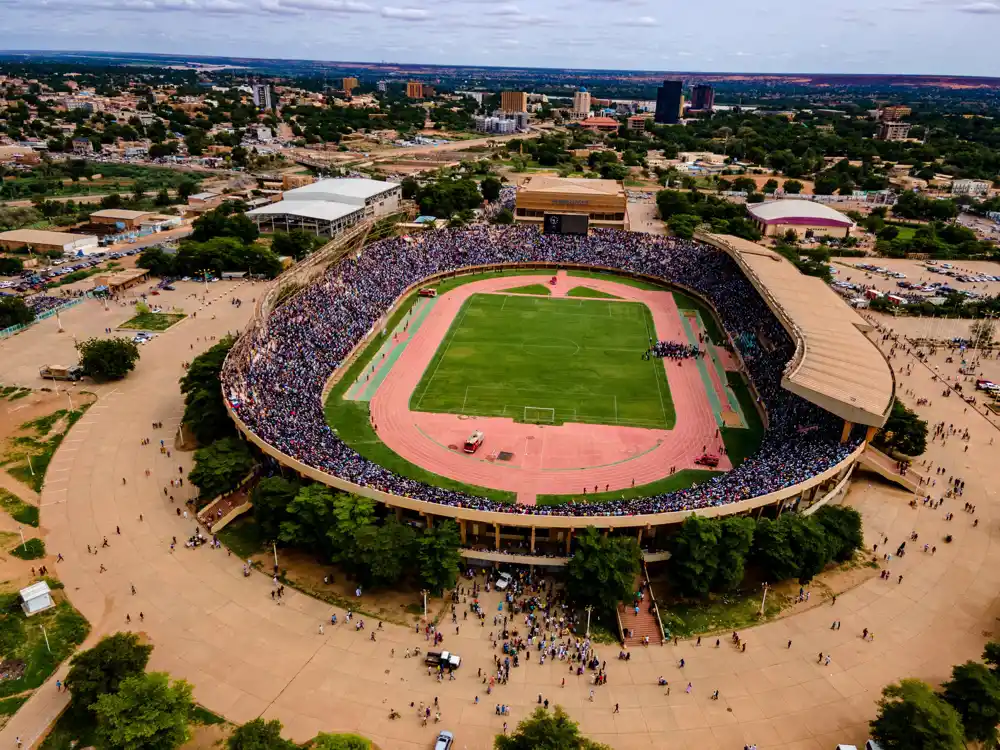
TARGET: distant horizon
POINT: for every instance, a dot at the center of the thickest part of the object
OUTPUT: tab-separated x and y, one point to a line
234	60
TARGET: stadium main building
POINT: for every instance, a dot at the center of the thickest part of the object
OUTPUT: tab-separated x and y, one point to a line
821	387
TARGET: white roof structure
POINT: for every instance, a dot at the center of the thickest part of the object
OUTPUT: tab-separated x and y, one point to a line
316	209
350	190
798	211
36	598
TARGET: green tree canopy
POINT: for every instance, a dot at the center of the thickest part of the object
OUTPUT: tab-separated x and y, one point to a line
792	187
310	520
13	312
259	735
904	431
546	731
221	222
326	741
108	359
735	543
220	467
297	244
204	407
271	498
694	555
974	691
602	571
101	669
157	261
842	525
146	712
490	188
911	716
438	557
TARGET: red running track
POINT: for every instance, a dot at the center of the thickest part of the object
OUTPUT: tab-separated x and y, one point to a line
547	459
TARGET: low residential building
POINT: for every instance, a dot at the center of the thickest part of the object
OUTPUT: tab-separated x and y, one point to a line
41	241
208	198
82	146
600	124
291	181
637	122
978	188
120	218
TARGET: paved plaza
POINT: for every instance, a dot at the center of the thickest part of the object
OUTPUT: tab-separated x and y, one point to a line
247	656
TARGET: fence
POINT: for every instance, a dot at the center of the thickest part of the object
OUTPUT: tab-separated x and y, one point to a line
8	332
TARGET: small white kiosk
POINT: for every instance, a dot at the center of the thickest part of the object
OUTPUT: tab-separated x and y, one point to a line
36	598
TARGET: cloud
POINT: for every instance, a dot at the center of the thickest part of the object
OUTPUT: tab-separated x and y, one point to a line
408	14
984	8
640	21
331	6
507	9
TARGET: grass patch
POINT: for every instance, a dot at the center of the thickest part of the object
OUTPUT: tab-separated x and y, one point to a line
21	393
550	361
23	640
719	613
10	706
679	481
17	509
31	549
201	715
742	443
626	280
152	321
74	729
242	536
13	392
27	457
687	302
448	284
586	291
537	289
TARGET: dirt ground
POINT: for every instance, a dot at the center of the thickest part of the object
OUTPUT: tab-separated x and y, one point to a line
204	736
305	572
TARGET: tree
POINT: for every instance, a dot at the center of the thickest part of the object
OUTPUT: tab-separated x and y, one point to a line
271	498
974	691
386	551
222	222
186	189
310	519
204	407
298	243
101	669
683	225
735	543
409	187
350	514
602	571
260	735
694	555
911	716
772	551
108	359
991	655
14	312
808	543
504	216
770	186
157	261
792	187
744	185
11	266
904	431
842	525
546	731
490	188
981	333
146	711
163	197
220	467
326	741
438	557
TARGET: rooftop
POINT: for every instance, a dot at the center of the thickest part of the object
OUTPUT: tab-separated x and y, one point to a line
577	185
120	214
835	365
794	210
339	188
315	209
43	237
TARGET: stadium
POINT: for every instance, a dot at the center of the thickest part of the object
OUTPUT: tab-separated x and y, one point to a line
374	375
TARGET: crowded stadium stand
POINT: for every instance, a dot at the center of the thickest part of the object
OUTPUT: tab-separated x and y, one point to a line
277	375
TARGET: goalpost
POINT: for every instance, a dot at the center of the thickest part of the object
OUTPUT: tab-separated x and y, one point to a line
539	415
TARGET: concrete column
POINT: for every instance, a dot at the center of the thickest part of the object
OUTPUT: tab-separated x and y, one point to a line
638	536
569	540
399	513
496	528
461	529
846	433
870	433
430	520
532	540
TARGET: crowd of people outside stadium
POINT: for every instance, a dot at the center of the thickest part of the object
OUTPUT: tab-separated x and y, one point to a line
274	381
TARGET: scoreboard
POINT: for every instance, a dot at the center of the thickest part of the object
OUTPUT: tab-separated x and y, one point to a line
566	224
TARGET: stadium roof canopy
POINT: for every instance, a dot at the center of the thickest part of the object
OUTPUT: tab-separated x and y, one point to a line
321	210
340	189
835	365
798	211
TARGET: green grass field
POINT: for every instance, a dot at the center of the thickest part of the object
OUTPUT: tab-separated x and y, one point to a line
549	361
586	291
539	290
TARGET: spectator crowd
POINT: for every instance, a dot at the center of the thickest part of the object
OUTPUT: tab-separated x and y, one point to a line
675	350
274	377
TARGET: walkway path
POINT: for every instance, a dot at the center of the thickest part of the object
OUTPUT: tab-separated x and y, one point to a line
247	656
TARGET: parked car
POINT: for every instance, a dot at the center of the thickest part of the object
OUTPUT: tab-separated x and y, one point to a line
503	581
444	659
444	741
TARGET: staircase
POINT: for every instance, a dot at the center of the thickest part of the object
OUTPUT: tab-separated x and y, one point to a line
885	466
645	624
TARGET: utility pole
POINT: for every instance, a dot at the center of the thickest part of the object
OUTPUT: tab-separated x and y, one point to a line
425	592
589	609
46	638
274	546
762	600
24	544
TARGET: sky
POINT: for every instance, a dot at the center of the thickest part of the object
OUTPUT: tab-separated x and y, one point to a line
944	37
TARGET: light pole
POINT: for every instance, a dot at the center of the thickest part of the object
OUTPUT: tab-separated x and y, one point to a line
24	544
425	592
762	600
274	546
589	608
46	638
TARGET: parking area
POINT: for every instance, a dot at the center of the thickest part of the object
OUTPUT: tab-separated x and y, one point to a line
915	280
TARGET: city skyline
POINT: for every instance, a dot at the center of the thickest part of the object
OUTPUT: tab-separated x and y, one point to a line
544	33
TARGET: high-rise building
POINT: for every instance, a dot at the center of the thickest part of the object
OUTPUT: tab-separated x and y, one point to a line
262	96
514	101
893	131
581	104
415	90
382	86
350	84
669	103
702	97
894	112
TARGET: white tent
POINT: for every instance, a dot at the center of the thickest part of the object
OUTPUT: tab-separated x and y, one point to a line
36	598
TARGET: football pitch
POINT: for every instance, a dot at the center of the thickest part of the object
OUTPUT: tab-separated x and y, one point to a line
548	361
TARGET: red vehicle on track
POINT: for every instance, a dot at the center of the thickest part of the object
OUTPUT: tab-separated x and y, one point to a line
475	440
552	281
707	459
427	292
